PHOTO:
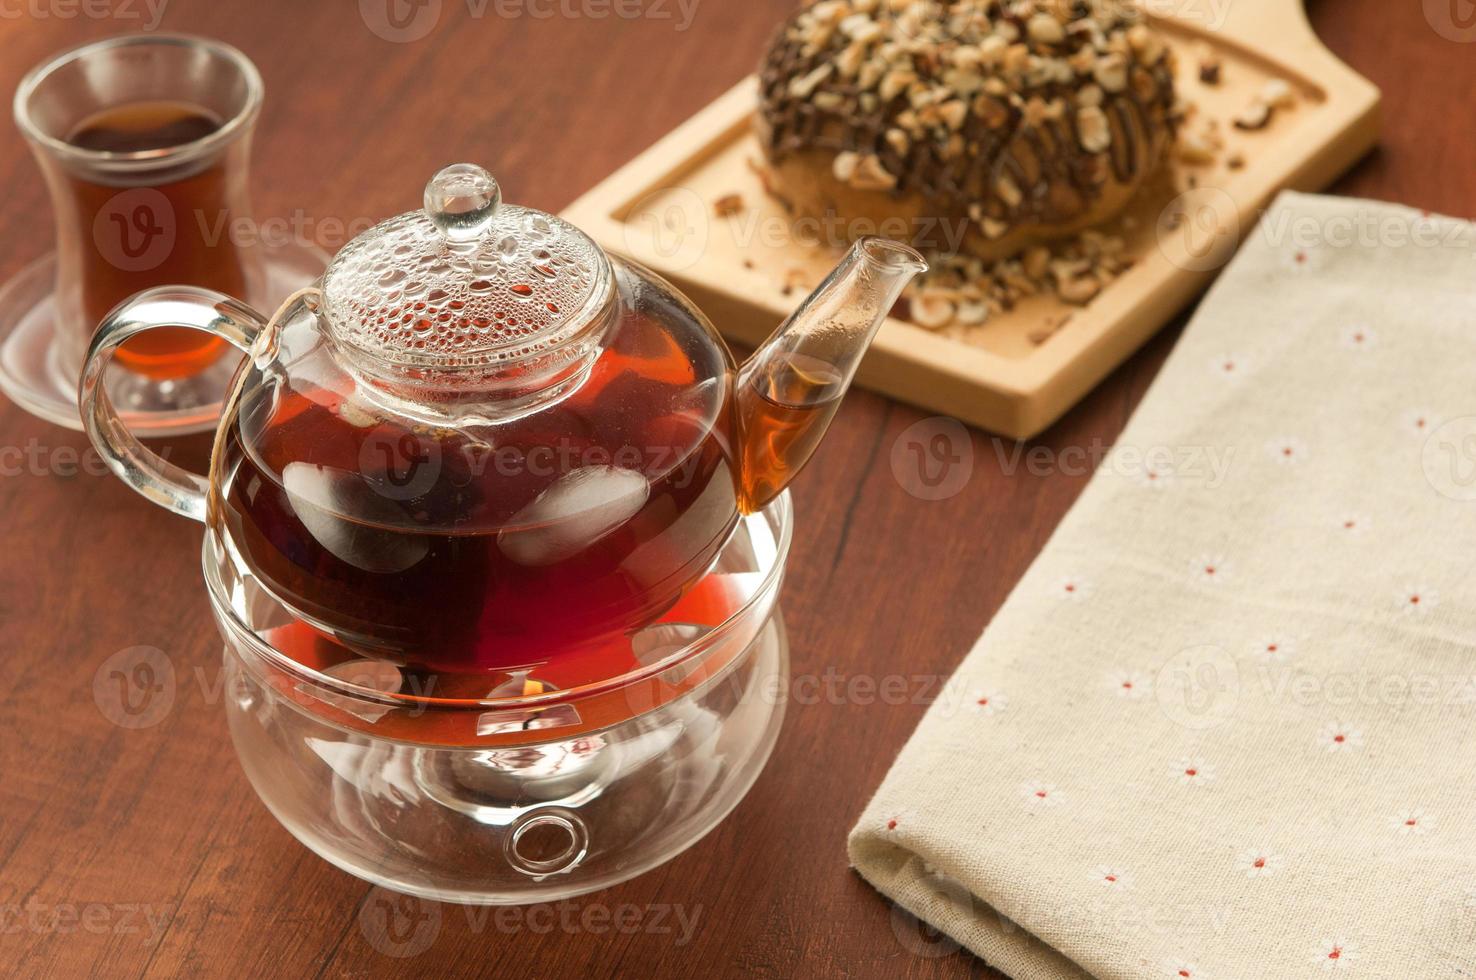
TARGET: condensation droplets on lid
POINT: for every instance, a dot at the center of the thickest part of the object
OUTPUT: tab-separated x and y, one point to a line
466	281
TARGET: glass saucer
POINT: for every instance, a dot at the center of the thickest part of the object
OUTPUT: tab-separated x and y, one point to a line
32	375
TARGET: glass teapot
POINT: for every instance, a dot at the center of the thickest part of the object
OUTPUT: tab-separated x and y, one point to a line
479	443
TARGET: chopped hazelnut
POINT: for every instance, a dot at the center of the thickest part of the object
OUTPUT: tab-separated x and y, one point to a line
1093	129
1045	29
894	83
1079	289
1111	72
804	86
849	62
870	175
953	113
1008	191
845	164
1016	59
1146	43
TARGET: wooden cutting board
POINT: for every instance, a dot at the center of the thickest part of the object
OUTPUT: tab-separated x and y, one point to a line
1021	370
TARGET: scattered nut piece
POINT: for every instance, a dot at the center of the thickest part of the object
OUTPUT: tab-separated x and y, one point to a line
1277	94
728	205
971	313
844	165
1209	65
931	310
1254	116
1235	161
1079	290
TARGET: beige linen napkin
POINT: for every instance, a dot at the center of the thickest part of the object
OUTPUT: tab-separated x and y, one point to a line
1225	727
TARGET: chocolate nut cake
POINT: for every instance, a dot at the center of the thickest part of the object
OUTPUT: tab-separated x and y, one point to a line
986	124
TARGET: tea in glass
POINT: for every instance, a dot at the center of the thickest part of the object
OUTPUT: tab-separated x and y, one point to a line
143	141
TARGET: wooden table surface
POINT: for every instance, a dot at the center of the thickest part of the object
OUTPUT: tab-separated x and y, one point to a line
143	852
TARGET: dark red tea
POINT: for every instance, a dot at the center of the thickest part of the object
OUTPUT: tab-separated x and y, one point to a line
587	520
137	236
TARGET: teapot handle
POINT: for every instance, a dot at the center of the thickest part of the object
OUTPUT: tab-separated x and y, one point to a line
165	306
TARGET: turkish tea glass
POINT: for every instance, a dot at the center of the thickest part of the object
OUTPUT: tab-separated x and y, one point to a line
144	142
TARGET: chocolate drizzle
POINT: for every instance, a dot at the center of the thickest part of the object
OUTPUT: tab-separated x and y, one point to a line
1034	137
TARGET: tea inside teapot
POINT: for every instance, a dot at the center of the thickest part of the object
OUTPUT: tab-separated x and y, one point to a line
490	547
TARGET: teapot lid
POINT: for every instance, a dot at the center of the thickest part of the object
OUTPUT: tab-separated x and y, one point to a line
466	282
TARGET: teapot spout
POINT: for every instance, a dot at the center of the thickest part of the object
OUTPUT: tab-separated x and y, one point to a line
789	390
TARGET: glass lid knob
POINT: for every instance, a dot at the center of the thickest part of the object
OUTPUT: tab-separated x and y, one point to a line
461	201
